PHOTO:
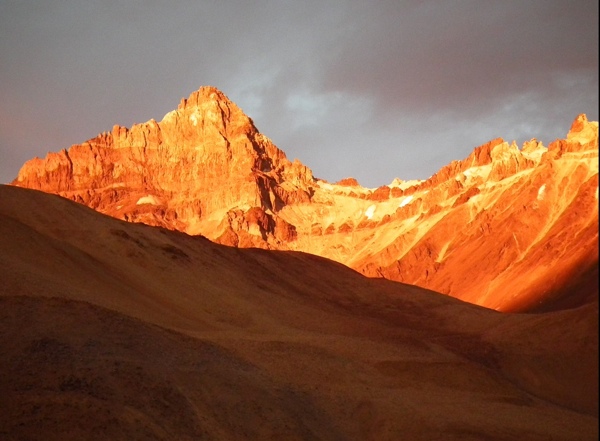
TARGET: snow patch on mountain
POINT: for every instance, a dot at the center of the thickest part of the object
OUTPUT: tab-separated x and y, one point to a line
541	193
407	200
151	200
370	211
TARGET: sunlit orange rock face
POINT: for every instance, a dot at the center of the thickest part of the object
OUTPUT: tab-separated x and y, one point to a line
203	169
508	228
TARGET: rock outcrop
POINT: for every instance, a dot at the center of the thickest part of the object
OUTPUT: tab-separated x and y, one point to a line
506	228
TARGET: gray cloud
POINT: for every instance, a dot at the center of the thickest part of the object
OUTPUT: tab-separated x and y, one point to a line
374	90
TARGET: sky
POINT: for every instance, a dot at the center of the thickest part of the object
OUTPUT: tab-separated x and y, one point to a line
374	90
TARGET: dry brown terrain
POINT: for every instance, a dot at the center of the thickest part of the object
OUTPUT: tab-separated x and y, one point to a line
114	330
507	228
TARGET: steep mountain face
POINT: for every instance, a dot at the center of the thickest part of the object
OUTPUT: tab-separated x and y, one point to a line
506	228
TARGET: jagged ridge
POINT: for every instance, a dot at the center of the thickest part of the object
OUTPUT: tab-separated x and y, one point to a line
505	227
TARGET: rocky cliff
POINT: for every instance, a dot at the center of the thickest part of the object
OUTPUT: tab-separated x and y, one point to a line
508	228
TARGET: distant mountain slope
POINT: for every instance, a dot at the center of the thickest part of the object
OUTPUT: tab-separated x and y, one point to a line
113	330
506	228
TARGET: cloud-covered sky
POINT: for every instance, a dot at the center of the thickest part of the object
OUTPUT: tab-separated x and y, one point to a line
369	89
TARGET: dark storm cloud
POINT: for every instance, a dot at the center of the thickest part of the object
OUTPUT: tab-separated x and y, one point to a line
374	90
463	53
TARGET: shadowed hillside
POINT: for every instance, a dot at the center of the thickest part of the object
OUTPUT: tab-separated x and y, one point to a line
113	330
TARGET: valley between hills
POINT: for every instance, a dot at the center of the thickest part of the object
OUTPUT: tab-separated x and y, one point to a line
183	280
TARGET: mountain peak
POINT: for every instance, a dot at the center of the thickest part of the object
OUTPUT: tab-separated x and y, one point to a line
584	131
204	94
205	157
208	106
579	123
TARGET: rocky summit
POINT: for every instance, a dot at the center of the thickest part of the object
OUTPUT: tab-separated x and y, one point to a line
508	228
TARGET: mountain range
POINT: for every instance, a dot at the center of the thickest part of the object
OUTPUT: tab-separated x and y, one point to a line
508	228
111	330
184	280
